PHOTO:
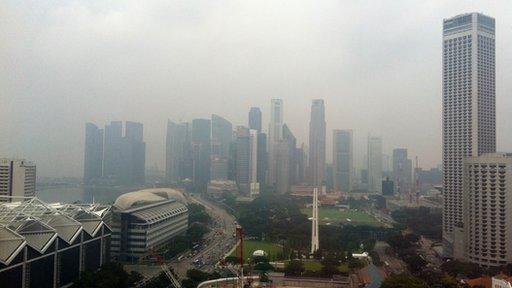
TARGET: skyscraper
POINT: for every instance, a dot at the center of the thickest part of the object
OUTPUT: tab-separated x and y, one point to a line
291	141
487	211
201	150
469	116
317	143
93	153
262	158
243	159
17	178
343	165
135	156
255	119
124	157
374	164
177	152
275	137
402	171
222	136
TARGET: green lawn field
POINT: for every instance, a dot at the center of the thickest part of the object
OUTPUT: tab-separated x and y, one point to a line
273	251
317	266
334	215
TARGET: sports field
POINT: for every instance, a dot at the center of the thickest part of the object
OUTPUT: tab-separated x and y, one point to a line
333	215
273	250
314	266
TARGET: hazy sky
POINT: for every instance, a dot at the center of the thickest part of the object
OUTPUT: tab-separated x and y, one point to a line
377	65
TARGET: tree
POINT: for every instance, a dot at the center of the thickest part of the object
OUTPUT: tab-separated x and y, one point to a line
110	275
403	281
294	268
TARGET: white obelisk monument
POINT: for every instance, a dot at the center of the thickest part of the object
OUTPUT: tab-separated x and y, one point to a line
314	222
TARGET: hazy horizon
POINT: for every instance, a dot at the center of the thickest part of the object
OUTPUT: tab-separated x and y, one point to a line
377	67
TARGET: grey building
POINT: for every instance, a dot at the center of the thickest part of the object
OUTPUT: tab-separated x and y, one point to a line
293	153
486	237
262	158
374	164
255	119
243	159
343	160
317	143
469	107
124	157
146	220
178	161
402	171
201	151
93	153
275	138
388	188
222	136
17	178
47	245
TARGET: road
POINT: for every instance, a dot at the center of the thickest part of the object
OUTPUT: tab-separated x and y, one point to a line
216	243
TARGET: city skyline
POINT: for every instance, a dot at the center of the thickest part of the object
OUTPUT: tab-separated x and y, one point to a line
71	97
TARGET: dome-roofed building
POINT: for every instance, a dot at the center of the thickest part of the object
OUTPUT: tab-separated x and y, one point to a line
146	220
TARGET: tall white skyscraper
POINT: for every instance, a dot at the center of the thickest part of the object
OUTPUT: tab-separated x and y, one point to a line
275	137
17	178
487	206
469	115
374	164
315	243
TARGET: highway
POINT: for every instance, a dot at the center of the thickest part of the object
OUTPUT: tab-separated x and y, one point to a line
216	243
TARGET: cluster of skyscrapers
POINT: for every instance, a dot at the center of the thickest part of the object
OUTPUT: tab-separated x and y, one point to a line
114	157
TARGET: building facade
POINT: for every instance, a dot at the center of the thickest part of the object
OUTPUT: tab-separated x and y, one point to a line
275	138
48	245
255	119
317	143
343	160
487	210
201	151
222	136
93	153
178	162
402	171
146	220
374	164
17	178
469	116
124	156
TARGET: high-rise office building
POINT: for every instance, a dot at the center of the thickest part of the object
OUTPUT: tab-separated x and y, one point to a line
247	161
374	164
343	163
93	153
291	141
222	136
135	155
177	152
17	178
388	188
255	119
317	143
402	171
124	156
469	116
243	159
275	137
487	211
201	150
262	158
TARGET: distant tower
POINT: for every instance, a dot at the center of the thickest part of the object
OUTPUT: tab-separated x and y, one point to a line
317	143
314	223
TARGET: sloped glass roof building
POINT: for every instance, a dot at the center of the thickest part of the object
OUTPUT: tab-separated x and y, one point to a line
48	245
